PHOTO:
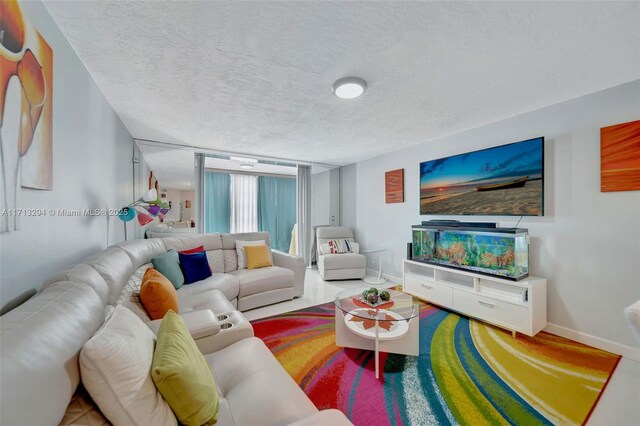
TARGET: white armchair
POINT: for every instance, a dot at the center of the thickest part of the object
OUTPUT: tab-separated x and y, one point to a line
343	266
632	313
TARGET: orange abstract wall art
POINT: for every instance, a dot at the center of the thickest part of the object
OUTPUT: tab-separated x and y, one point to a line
620	157
26	109
394	186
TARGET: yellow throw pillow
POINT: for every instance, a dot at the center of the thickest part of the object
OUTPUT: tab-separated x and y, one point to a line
257	256
182	375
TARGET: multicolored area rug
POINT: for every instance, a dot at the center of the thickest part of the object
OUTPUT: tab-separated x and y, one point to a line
468	372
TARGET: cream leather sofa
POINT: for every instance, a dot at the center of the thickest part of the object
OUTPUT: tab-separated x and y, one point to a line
40	340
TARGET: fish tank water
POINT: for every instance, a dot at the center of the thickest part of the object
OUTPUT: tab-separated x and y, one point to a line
499	252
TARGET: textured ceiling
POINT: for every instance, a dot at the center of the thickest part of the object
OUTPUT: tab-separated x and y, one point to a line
255	77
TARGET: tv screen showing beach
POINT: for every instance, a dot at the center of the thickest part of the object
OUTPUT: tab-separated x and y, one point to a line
505	180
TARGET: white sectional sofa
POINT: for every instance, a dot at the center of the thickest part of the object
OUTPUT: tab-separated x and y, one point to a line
40	340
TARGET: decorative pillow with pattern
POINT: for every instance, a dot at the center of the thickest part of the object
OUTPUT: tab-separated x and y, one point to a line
339	246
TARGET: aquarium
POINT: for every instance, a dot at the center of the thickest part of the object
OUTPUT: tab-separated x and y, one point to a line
500	252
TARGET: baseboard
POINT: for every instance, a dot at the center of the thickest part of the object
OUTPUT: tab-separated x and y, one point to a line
596	342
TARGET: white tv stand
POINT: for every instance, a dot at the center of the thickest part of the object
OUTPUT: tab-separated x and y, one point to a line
518	306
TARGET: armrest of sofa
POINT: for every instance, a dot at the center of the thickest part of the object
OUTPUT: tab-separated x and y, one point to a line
199	323
294	263
331	417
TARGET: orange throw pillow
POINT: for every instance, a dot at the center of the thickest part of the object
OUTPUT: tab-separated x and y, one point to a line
257	256
157	294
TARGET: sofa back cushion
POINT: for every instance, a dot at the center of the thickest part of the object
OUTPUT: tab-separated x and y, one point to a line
186	242
85	274
142	251
115	267
326	233
39	345
230	255
116	370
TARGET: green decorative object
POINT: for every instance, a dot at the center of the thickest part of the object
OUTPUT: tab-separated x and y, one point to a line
385	296
373	290
365	294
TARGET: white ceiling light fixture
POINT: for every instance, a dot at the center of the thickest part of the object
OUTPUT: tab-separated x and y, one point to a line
243	159
349	87
246	166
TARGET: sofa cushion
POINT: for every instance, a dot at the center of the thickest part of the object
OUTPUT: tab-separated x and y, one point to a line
254	281
226	283
258	256
192	250
216	260
242	256
195	267
214	300
115	267
343	261
115	365
230	260
168	264
182	374
157	294
248	371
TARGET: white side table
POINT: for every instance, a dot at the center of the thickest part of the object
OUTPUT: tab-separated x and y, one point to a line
373	280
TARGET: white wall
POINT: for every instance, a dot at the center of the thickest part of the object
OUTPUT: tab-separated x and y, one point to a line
92	168
325	198
348	195
588	243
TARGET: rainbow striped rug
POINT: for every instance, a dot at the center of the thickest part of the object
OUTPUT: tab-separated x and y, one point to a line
467	373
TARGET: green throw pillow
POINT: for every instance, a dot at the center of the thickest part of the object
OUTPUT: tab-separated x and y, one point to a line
168	265
182	374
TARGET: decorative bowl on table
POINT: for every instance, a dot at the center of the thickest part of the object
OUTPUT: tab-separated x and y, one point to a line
372	298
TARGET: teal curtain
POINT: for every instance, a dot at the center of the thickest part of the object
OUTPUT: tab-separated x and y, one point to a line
217	202
277	209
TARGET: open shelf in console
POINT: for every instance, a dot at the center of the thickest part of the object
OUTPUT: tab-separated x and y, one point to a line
508	293
419	270
454	279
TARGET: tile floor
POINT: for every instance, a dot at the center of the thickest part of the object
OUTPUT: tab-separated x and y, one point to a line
619	405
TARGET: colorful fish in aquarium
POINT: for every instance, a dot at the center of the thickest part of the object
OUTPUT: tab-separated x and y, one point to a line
501	255
423	244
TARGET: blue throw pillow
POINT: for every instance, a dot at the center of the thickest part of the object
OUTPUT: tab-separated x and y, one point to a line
168	265
195	266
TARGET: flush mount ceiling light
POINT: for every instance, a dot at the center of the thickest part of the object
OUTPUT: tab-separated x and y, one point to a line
243	159
349	87
246	166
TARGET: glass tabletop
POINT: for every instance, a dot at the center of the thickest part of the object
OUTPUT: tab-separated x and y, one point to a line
400	306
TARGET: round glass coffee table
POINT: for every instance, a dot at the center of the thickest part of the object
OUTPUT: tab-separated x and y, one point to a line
390	327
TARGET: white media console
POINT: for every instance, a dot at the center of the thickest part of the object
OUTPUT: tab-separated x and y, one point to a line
518	306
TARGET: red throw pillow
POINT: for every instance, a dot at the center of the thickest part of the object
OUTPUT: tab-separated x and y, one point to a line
193	250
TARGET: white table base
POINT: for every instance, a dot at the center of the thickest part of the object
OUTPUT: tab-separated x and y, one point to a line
406	344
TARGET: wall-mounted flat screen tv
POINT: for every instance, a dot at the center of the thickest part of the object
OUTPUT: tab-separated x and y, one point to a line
506	180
